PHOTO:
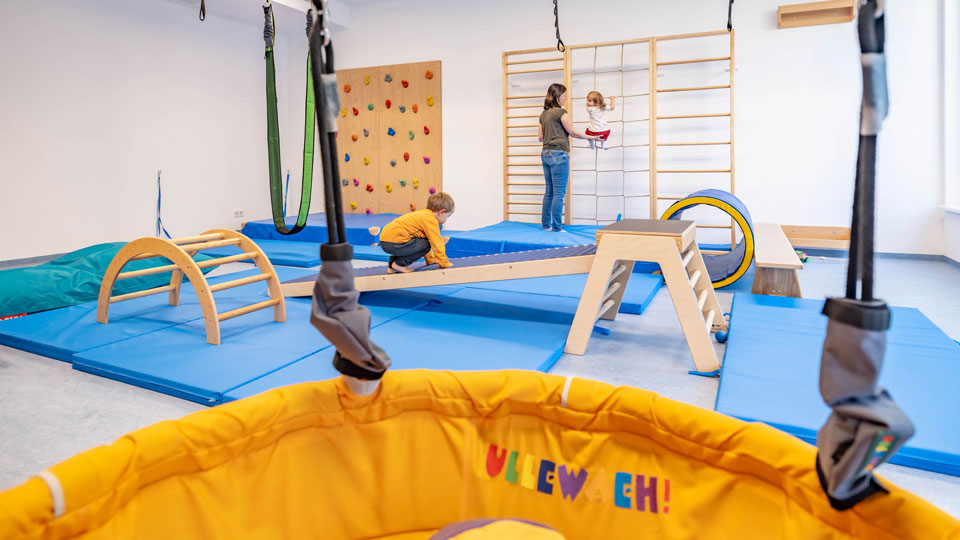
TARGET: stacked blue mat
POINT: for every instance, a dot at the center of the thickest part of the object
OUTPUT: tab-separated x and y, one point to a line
153	345
771	374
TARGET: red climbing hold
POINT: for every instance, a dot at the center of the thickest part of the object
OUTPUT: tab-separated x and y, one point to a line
354	137
406	156
355	111
415	108
388	103
404	84
346	88
426	130
369	188
428	74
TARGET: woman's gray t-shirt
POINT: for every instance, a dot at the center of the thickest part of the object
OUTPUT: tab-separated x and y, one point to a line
554	136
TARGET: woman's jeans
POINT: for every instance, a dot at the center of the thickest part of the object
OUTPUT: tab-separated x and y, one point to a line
556	171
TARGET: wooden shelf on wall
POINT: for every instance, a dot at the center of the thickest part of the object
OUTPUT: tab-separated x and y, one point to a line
814	13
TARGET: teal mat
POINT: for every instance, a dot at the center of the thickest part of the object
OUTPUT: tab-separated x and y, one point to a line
72	279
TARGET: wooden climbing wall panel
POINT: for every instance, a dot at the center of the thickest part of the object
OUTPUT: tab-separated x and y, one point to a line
396	150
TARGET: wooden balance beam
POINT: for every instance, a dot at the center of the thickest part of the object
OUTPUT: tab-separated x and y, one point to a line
609	264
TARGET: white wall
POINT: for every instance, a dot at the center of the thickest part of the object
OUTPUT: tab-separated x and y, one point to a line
98	95
797	99
105	92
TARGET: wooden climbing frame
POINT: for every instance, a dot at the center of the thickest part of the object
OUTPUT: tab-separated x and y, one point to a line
180	252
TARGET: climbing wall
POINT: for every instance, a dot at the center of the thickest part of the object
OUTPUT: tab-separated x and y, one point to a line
390	137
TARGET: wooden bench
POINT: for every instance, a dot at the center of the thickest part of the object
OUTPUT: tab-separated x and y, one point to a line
777	262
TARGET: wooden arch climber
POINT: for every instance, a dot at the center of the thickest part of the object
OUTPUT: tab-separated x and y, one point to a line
180	252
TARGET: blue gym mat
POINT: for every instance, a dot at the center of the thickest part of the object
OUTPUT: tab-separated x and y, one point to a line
298	254
639	292
60	333
468	330
771	374
316	229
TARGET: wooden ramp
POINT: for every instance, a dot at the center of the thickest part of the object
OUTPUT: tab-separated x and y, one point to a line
609	264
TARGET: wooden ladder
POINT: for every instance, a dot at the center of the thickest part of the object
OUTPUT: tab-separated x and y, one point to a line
180	252
671	244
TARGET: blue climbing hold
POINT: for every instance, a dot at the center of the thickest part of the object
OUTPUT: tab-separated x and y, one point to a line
393	163
344	181
366	133
388	78
346	157
402	108
721	336
391	132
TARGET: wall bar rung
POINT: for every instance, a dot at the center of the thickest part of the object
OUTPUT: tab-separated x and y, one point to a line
697	61
544	70
693	88
714	115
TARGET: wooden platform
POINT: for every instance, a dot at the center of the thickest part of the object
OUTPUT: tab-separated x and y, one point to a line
777	262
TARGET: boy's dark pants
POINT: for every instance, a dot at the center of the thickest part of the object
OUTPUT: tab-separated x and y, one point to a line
408	252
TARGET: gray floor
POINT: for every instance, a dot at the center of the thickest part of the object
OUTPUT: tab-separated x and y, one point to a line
49	412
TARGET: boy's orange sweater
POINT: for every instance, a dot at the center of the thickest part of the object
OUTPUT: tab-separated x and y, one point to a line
418	224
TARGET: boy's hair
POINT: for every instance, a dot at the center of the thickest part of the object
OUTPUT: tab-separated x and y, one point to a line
553	95
441	201
597	98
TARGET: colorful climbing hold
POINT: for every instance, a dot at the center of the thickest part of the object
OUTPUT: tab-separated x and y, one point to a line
346	88
404	84
415	108
426	160
391	132
346	157
344	181
433	190
413	207
428	74
429	101
426	130
402	108
411	134
343	112
366	79
369	106
403	182
366	133
355	111
366	160
389	188
406	156
369	211
388	78
416	183
370	188
354	138
353	206
388	103
356	182
393	163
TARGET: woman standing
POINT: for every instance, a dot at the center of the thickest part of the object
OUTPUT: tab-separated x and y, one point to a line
555	127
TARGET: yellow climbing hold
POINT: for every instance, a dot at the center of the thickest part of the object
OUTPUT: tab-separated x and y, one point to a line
353	206
389	188
429	101
343	112
366	160
416	182
366	79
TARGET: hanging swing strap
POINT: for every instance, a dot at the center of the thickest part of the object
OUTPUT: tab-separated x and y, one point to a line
556	24
730	16
203	10
273	134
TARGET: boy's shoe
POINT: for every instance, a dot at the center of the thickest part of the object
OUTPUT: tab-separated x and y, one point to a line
558	230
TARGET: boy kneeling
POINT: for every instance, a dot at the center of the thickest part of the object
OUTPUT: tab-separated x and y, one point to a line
417	234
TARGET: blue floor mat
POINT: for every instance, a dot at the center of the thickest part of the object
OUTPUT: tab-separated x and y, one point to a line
639	293
280	252
178	361
60	333
357	226
468	330
771	374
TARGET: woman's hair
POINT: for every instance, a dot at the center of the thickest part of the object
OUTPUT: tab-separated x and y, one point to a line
553	95
597	98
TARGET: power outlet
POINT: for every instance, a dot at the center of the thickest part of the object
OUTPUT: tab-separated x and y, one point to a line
238	214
